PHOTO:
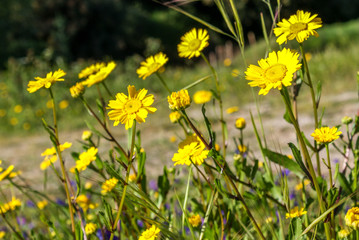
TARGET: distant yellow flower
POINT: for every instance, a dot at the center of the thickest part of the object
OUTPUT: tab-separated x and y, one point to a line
299	26
240	123
179	100
173	139
352	218
42	204
90	228
6	173
88	185
94	68
108	185
308	56
132	177
85	159
63	104
10	206
14	121
231	110
18	109
275	71
135	106
2	112
326	134
242	148
77	90
150	234
51	155
217	147
269	220
195	220
190	149
85	203
46	82
202	96
50	104
2	234
39	113
193	42
235	72
99	76
175	116
227	62
151	65
300	185
86	135
26	126
343	233
295	212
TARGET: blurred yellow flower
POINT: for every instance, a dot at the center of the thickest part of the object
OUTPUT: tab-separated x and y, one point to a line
275	71
344	233
10	206
190	149
308	56
150	234
352	218
18	109
88	185
50	104
2	234
173	139
235	72
42	204
85	159
14	121
193	42
63	104
85	203
151	65
39	113
77	90
300	185
2	112
46	82
179	100
94	68
86	135
295	212
51	155
240	123
227	62
269	220
231	110
135	106
108	185
326	134
132	177
217	147
195	220
242	148
6	173
299	26
202	96
99	76
175	116
90	228
26	126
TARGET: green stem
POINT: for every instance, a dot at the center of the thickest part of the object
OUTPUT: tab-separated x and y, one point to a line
11	227
186	199
163	83
107	90
133	135
64	175
208	212
329	166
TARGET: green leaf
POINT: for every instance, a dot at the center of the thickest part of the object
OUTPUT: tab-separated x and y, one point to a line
100	107
287	117
164	183
295	229
104	220
93	129
113	172
344	183
319	93
141	164
299	160
78	182
108	213
208	125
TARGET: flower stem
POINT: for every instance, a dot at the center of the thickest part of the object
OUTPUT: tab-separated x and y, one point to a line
163	83
64	179
133	135
329	166
11	227
186	198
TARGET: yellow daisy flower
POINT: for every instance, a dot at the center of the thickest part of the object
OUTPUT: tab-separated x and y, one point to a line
10	206
231	110
77	90
299	26
86	135
108	185
344	233
94	68
275	71
352	218
295	212
195	220
202	96
326	134
240	123
85	159
46	82
193	42
175	116
179	100
151	65
42	204
100	75
85	203
51	155
135	106
150	234
90	228
191	149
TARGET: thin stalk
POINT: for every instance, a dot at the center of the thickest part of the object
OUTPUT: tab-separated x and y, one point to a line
64	179
11	227
133	135
186	198
208	212
107	89
215	76
163	83
329	166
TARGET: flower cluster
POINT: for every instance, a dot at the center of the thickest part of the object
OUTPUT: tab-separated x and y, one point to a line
85	159
352	218
192	149
295	212
179	100
10	206
51	155
108	185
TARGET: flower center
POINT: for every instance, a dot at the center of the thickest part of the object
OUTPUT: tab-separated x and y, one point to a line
194	44
133	105
275	73
153	67
297	27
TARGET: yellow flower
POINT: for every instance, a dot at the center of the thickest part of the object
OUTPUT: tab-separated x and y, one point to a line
86	135
235	72
231	110
299	26
84	202
135	106
295	212
202	96
18	109
300	185
175	116
46	82
50	104
6	173
151	65
88	185
14	121
108	185
269	220
173	139
85	159
217	147
275	71
2	112
193	42
2	234
191	149
10	206
195	220
42	204
150	234
352	218
242	148
39	113
240	123
326	134
132	177
179	100
94	68
77	90
227	62
100	75
51	155
63	104
90	228
343	233
26	126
